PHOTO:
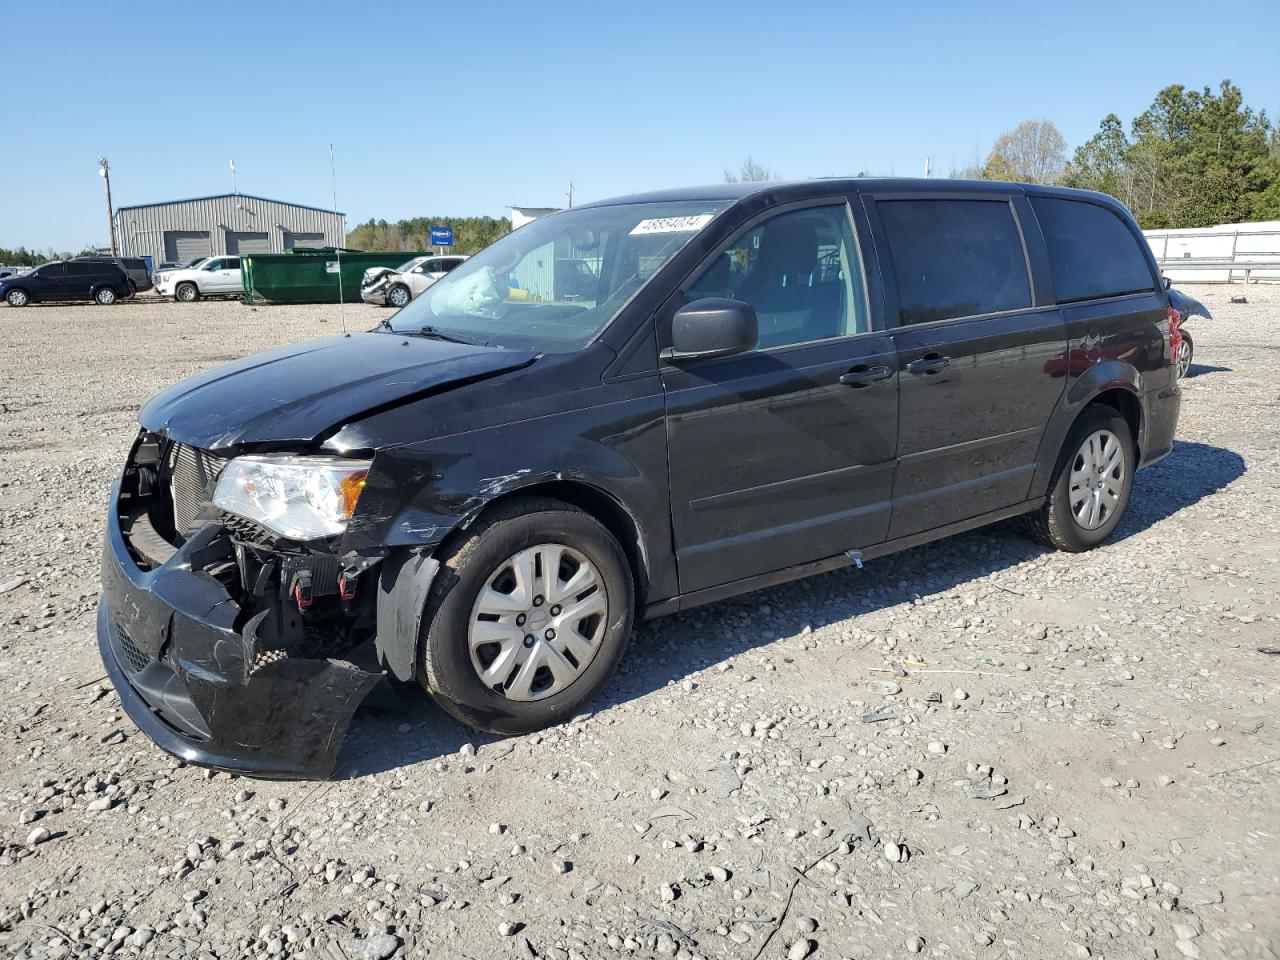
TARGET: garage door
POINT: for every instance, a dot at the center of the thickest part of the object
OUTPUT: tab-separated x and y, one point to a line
183	245
246	243
303	241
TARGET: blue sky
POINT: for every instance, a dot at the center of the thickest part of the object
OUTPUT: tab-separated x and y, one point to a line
465	108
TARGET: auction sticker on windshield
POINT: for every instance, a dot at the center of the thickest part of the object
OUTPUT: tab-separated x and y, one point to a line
671	224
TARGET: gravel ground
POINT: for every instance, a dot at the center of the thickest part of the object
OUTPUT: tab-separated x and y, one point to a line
1082	762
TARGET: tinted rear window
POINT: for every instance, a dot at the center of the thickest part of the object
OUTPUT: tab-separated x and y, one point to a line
1091	250
955	258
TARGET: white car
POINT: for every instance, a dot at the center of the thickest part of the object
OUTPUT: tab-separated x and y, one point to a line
210	277
390	287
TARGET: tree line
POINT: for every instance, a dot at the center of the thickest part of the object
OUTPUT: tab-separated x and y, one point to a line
470	234
1194	158
22	257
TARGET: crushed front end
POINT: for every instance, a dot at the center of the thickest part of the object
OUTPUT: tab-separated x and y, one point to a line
229	645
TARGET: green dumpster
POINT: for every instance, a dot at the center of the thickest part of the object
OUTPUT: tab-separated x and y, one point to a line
311	276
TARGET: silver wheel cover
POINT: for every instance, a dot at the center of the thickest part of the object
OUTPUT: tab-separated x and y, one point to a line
1097	479
18	298
398	296
538	622
1184	359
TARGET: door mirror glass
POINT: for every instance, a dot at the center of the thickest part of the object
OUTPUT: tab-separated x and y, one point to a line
712	327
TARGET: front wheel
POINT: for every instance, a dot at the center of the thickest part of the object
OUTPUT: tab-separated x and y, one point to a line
1092	485
105	296
398	296
187	293
528	618
17	298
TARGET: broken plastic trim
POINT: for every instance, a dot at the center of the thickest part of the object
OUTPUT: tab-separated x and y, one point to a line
269	710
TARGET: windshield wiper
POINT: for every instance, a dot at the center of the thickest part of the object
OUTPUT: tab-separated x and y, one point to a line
432	333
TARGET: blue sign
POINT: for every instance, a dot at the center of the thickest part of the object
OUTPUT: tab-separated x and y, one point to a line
442	236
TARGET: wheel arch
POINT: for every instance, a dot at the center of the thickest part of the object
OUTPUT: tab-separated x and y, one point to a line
407	575
1117	388
587	497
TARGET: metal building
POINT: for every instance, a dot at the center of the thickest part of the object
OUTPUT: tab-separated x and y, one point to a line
229	223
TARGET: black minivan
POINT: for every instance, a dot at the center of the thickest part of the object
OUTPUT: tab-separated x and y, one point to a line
753	382
98	281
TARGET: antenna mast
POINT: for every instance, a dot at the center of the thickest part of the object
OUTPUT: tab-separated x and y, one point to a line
333	179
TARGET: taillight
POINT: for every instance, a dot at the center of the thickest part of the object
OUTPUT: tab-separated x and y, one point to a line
1175	334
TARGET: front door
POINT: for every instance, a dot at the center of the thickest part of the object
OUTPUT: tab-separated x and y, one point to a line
49	282
976	358
783	454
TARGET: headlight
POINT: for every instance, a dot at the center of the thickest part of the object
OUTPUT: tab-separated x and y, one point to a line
299	497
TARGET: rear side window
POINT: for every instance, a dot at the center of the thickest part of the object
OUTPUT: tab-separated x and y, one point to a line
955	258
1092	252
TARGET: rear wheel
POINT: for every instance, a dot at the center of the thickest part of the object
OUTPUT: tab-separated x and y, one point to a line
528	618
398	296
187	293
17	298
105	296
1182	365
1092	485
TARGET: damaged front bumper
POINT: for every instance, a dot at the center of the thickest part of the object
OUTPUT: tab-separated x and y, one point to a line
210	682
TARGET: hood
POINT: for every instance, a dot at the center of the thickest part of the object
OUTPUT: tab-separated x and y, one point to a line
297	394
374	274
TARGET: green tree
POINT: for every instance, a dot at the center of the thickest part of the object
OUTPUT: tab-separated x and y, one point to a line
1193	158
470	234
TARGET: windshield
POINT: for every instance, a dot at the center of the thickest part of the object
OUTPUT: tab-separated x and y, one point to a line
553	284
409	264
192	264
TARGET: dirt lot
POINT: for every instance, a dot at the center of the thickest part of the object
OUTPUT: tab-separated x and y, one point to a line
1099	777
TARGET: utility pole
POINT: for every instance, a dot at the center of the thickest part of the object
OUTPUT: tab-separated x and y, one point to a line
104	171
928	167
571	194
233	179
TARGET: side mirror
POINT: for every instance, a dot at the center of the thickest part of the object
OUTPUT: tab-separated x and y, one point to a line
712	327
1168	284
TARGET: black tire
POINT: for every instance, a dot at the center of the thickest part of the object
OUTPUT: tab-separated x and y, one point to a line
1055	524
18	298
398	296
187	293
104	296
446	669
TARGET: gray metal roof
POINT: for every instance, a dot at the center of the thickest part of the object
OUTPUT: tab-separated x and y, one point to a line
222	196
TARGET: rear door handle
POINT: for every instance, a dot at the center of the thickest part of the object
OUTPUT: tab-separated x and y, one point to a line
929	363
862	375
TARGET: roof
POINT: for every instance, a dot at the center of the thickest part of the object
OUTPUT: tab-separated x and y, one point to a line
802	189
227	196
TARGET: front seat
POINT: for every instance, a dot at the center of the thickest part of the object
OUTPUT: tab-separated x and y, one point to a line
782	285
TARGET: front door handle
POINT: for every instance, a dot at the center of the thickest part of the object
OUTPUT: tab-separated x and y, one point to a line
929	363
862	375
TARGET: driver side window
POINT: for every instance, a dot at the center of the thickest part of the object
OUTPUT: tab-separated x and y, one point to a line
802	273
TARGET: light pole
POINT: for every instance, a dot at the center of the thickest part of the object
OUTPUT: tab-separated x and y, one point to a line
104	171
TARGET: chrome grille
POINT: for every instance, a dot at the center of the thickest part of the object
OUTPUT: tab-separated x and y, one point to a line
192	474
